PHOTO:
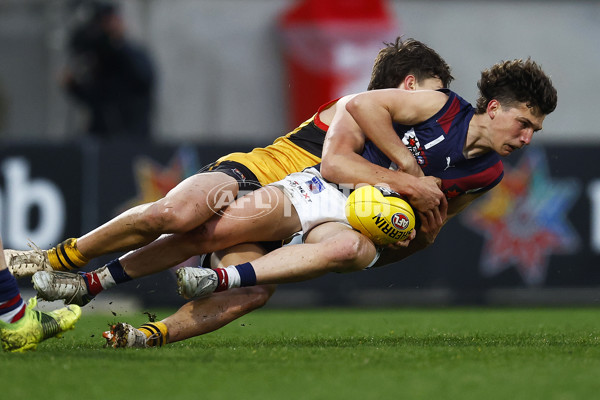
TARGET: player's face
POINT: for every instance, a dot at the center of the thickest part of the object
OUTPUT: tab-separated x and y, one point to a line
514	128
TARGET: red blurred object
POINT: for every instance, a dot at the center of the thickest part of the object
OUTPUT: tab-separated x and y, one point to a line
329	48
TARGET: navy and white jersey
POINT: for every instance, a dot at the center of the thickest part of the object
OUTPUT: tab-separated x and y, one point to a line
437	144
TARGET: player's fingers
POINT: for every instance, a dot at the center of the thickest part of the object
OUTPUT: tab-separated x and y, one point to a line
405	242
424	218
431	217
444	207
437	217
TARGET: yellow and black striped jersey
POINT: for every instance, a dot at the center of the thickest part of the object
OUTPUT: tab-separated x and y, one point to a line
299	149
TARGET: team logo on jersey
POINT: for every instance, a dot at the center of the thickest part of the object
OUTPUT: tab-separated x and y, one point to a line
411	141
524	220
400	221
315	185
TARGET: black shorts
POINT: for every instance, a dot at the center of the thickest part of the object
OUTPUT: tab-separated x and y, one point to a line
247	181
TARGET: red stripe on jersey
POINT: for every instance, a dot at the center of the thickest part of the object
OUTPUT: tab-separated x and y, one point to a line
446	120
481	180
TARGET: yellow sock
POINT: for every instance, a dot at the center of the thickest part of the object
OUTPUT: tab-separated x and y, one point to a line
66	257
156	332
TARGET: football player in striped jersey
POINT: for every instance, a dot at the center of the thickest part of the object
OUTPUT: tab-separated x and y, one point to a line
515	97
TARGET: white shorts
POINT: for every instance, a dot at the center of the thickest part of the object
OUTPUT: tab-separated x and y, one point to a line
316	201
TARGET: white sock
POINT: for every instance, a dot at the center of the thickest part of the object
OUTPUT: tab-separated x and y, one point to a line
233	277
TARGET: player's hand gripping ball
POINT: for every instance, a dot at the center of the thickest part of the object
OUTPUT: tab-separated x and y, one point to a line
380	214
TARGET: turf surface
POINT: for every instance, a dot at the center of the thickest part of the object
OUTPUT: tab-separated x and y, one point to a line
328	354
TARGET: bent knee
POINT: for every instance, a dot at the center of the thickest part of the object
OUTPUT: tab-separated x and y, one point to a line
352	252
263	293
169	218
258	296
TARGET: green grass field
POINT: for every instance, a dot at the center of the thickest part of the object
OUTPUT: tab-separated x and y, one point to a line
329	354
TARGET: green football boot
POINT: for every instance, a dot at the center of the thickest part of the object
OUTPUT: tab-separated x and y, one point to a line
36	326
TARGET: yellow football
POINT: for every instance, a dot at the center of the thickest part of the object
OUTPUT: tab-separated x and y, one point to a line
380	214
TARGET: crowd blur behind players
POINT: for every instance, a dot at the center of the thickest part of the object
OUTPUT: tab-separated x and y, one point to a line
111	76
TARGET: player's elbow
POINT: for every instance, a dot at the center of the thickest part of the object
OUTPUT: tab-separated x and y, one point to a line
355	105
330	169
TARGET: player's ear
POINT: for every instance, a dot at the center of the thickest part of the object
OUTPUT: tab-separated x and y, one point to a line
409	83
492	108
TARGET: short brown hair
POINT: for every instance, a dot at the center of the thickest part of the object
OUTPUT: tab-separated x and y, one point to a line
517	81
407	57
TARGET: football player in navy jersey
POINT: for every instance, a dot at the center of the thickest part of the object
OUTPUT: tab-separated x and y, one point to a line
515	97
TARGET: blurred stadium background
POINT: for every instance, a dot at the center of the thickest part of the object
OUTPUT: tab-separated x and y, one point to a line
236	74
